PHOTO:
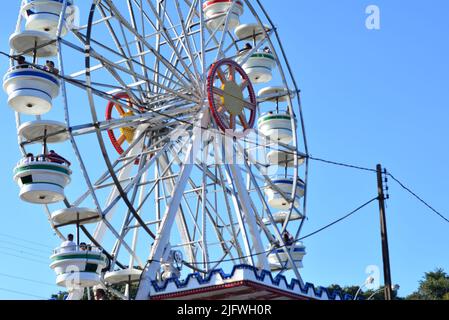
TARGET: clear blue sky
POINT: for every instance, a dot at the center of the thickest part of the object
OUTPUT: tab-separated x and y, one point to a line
369	97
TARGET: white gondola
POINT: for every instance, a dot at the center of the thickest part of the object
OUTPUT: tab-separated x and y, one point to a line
284	158
251	32
277	200
30	91
216	12
278	258
44	15
42	182
35	131
123	276
273	94
281	217
277	127
34	43
81	216
259	66
78	267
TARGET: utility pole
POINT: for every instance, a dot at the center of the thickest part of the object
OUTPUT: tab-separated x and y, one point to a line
384	235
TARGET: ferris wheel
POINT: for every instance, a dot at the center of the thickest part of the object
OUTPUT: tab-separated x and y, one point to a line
182	127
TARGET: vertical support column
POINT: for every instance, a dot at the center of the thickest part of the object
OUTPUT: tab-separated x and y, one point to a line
249	218
162	240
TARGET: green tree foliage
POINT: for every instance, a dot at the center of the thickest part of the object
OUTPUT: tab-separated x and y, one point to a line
434	286
59	296
369	294
380	294
121	288
351	290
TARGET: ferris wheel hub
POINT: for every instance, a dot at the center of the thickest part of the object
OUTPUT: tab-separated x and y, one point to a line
127	134
232	98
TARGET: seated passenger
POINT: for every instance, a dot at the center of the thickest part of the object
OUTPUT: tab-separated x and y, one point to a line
246	48
21	63
40	158
267	50
288	238
100	294
68	245
83	246
50	67
56	158
28	158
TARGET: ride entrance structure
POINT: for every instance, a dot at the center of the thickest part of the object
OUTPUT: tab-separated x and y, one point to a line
183	122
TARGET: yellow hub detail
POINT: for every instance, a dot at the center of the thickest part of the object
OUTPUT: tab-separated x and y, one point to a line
232	98
128	132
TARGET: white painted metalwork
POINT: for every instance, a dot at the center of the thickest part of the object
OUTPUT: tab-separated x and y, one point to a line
159	185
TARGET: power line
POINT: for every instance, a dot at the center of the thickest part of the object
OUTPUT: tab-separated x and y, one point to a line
25	240
342	164
300	239
27	253
419	198
23	293
388	174
24	258
339	220
25	247
26	279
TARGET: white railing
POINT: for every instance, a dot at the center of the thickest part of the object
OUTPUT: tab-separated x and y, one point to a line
85	249
30	66
289	177
41	159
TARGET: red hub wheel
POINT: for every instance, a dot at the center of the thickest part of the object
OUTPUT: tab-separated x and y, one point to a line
232	99
127	133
